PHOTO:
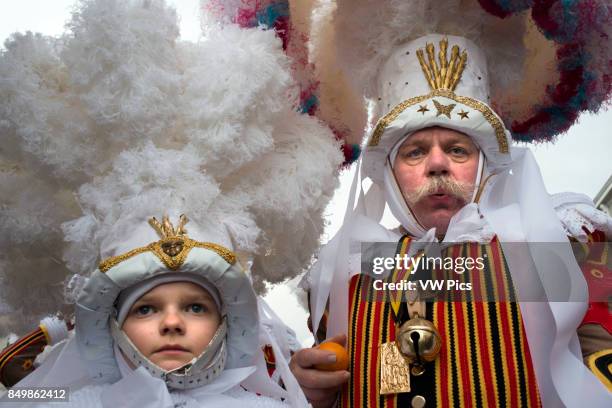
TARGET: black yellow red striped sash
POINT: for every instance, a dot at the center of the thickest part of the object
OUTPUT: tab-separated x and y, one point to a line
484	361
402	272
31	344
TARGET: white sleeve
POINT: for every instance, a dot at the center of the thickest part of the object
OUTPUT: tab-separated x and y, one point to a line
283	335
577	212
283	341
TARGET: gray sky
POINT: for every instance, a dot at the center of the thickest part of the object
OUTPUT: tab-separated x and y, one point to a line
579	161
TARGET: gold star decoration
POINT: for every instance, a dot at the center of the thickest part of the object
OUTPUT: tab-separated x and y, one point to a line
444	109
423	109
463	114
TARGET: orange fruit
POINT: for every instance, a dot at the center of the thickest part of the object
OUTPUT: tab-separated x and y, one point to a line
342	360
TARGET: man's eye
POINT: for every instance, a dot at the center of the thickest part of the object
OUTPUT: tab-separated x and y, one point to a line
412	153
144	310
459	151
196	308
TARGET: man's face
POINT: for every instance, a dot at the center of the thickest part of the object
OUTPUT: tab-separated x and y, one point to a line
435	169
172	323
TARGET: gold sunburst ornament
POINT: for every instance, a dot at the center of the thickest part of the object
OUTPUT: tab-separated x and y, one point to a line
172	240
443	74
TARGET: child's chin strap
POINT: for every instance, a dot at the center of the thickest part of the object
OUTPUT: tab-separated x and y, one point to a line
200	371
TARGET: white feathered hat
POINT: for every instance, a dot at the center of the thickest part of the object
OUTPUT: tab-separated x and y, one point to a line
547	62
159	253
436	80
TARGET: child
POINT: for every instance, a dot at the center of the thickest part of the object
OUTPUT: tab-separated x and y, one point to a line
119	119
173	322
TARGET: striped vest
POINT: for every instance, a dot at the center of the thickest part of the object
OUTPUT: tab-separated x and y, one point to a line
484	360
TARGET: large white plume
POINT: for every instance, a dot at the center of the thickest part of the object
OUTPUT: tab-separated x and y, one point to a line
117	118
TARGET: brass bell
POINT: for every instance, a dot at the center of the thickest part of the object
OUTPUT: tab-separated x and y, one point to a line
419	340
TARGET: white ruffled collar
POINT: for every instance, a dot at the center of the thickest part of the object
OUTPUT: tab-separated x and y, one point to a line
153	393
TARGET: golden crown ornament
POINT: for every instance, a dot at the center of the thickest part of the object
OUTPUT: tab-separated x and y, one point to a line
173	247
172	240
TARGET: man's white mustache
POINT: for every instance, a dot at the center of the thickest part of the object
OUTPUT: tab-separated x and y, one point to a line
461	190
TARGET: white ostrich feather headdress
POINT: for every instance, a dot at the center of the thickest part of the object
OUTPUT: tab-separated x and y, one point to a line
118	120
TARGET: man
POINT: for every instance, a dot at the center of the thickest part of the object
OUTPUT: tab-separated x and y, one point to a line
440	159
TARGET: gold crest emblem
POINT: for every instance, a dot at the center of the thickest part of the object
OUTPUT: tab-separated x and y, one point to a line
173	247
444	73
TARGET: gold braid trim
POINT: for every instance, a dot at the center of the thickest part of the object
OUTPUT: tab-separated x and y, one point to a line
386	120
493	120
222	251
111	262
172	262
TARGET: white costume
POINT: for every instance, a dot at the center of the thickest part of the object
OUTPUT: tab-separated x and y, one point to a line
93	363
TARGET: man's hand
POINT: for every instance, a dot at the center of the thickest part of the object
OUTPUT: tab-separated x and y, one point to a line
320	387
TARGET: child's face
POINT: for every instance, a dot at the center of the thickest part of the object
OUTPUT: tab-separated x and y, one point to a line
172	323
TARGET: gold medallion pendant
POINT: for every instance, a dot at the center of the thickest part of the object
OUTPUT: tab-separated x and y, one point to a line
394	370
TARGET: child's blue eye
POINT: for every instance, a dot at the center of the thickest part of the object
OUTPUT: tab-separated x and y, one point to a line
196	308
144	310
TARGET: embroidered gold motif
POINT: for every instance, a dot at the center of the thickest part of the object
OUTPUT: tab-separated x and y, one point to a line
597	273
222	251
111	262
165	251
444	109
27	364
463	114
491	117
172	239
173	247
448	73
394	370
422	109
